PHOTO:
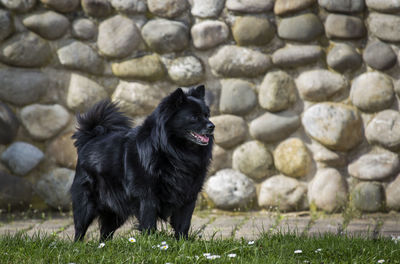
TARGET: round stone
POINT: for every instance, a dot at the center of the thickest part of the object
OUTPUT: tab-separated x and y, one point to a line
229	130
44	121
386	6
384	130
136	99
250	30
207	8
326	156
8	125
62	151
165	36
368	197
254	160
283	7
6	24
79	56
167	8
320	85
291	158
20	6
343	57
84	28
336	126
186	70
328	190
283	193
21	157
221	159
292	56
233	61
249	6
344	27
343	6
237	97
393	195
118	37
96	8
148	67
372	92
375	167
379	55
83	93
277	91
385	27
15	192
129	6
54	188
21	87
304	27
272	127
62	6
25	50
229	189
209	33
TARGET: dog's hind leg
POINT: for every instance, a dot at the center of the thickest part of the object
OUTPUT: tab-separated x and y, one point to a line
181	218
109	222
147	215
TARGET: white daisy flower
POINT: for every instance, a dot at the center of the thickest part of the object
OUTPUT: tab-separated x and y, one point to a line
163	243
213	257
298	251
251	242
101	245
318	250
232	255
381	261
132	239
206	254
164	247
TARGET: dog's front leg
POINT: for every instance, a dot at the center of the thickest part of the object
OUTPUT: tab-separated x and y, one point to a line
147	215
181	218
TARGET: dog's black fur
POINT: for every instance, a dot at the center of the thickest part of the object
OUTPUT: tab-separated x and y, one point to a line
151	171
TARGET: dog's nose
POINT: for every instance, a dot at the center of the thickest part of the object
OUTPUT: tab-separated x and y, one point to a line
210	126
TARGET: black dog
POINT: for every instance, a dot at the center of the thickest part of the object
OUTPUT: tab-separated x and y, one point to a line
151	171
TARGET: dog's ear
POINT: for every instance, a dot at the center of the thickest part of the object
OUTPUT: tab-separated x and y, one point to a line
177	98
198	91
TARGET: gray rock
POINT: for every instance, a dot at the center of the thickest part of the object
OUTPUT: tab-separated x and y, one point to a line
292	56
165	36
63	6
385	27
272	127
25	50
283	7
129	6
221	159
16	192
186	70
229	130
6	24
304	27
229	189
237	97
379	55
167	8
96	8
393	195
20	6
148	67
83	93
368	197
277	91
249	6
284	193
20	87
62	151
84	28
336	126
250	30
326	156
343	57
209	33
44	121
328	190
118	37
344	27
343	6
136	99
372	92
207	8
21	157
386	6
54	187
319	85
79	56
233	61
375	167
8	125
384	130
254	160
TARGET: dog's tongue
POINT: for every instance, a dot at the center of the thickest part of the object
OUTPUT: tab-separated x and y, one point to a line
204	139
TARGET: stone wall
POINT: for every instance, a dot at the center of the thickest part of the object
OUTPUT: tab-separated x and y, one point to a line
303	93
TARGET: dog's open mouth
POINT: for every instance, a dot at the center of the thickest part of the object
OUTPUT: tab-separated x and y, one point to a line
200	139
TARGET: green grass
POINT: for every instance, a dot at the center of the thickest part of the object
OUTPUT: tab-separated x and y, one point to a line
268	248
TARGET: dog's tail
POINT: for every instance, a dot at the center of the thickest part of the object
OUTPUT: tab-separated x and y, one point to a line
102	118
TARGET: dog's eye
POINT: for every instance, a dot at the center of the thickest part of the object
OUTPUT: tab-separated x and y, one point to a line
193	118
